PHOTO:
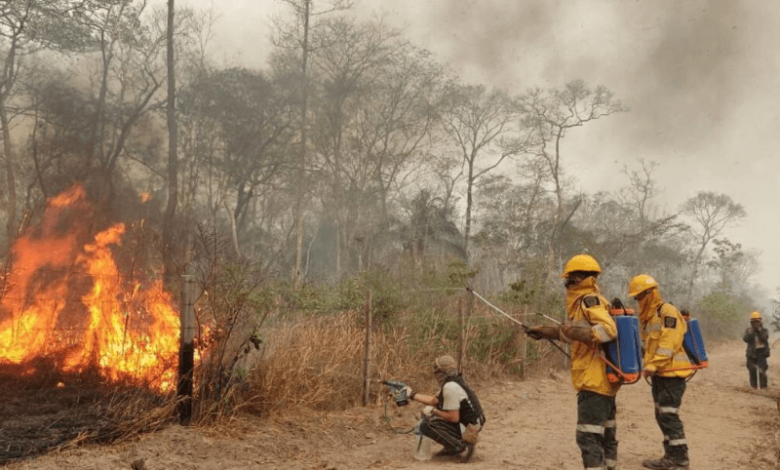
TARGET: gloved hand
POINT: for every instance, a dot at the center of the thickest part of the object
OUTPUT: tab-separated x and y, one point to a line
409	392
582	334
428	411
539	332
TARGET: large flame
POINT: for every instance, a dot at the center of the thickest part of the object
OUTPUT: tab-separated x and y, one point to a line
65	299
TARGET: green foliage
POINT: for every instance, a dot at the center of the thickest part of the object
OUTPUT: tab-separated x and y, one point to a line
458	273
533	295
309	298
493	340
387	297
532	292
454	278
437	331
431	328
722	312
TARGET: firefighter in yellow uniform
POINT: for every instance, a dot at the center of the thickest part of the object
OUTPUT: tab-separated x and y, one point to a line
588	325
666	361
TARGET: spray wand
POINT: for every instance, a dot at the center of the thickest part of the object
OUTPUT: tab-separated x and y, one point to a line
525	327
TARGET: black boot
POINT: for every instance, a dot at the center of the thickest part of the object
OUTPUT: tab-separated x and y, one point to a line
666	463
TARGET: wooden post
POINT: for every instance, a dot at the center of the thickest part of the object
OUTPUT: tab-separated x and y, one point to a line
186	348
367	353
524	362
461	325
469	311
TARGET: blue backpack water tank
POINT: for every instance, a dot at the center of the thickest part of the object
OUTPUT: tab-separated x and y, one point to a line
694	344
626	351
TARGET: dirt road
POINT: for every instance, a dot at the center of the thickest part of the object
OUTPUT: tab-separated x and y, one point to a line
530	426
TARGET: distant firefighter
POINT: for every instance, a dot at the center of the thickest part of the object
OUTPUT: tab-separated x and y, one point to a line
757	339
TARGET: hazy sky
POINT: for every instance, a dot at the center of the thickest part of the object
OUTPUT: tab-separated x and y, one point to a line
700	77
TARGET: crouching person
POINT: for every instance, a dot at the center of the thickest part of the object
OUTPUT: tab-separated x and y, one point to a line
454	417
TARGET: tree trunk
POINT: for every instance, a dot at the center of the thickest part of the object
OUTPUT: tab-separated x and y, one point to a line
10	224
695	270
301	188
169	262
469	200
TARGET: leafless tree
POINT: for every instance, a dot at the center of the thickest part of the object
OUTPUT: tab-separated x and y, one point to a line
297	36
551	114
640	191
26	27
173	160
712	213
483	126
345	71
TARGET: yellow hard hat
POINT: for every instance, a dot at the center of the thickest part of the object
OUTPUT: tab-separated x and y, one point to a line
755	316
640	284
581	263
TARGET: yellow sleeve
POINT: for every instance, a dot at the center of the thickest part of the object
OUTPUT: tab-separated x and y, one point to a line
603	326
670	339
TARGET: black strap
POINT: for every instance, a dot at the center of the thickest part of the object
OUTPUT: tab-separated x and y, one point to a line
473	414
691	355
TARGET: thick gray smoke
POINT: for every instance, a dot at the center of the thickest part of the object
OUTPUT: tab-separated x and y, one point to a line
679	65
691	78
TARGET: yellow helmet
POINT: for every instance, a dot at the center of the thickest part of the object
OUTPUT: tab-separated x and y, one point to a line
580	263
755	316
640	284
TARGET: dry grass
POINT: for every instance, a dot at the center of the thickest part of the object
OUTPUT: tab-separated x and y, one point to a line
307	366
317	363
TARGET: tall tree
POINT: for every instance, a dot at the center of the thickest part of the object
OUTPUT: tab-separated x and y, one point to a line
251	124
482	125
132	67
641	190
298	36
430	222
27	26
712	213
550	114
173	160
346	70
733	265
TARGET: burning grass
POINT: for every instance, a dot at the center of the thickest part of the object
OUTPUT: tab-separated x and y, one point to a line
66	294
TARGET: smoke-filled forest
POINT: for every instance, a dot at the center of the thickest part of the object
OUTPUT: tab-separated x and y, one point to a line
355	161
354	154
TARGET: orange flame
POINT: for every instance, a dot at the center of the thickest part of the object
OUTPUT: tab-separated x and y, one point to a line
144	197
67	300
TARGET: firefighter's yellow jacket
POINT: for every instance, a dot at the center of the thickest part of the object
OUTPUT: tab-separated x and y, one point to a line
587	307
663	329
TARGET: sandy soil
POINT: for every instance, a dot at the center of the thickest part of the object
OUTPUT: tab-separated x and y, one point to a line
530	426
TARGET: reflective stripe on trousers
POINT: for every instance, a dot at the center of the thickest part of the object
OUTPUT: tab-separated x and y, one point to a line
591	428
596	429
668	394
